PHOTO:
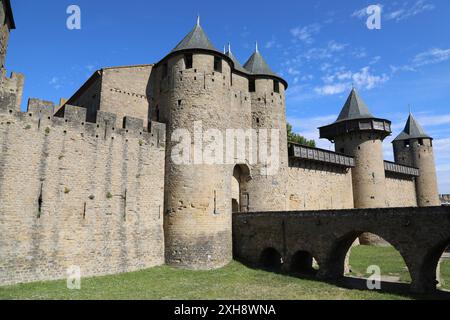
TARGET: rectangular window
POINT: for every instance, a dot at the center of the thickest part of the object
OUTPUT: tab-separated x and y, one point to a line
251	85
276	86
421	142
406	143
218	64
188	60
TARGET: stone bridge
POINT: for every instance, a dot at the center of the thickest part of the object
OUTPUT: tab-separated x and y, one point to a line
290	240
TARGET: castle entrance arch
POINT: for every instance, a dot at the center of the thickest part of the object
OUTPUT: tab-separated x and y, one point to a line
239	195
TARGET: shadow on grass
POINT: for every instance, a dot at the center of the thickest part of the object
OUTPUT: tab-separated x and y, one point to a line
355	283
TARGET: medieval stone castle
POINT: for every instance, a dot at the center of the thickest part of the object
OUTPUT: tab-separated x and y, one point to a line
92	183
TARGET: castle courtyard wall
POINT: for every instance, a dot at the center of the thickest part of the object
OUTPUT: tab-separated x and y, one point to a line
316	186
74	193
400	191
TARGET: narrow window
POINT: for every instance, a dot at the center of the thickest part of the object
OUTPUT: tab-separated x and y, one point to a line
406	143
276	86
188	60
157	113
421	142
165	70
218	64
251	85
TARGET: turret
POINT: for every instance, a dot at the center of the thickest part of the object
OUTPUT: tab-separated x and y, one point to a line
268	106
358	133
191	94
413	147
6	25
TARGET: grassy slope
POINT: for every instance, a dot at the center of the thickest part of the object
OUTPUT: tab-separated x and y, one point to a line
232	282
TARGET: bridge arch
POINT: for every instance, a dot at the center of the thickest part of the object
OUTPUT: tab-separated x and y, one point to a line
302	262
339	253
426	276
271	259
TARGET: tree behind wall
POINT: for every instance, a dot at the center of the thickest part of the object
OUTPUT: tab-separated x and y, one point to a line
296	138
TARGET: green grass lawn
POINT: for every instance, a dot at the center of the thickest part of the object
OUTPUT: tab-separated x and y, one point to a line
235	281
390	262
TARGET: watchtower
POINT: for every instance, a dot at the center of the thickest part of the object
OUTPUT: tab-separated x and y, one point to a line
358	133
413	147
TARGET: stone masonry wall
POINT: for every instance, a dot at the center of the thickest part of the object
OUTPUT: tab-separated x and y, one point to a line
314	186
78	193
125	92
400	191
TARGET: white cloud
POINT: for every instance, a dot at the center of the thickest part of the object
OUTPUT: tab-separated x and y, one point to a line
431	56
305	34
434	120
398	12
362	13
367	80
343	80
334	46
270	44
408	11
55	82
293	72
332	89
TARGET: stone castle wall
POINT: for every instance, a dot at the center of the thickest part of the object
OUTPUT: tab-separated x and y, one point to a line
314	186
74	193
125	92
400	191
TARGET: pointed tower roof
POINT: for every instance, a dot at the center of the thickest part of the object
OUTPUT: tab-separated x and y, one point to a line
237	64
355	117
258	66
196	39
413	130
354	108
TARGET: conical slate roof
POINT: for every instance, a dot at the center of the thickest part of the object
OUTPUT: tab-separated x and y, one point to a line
258	66
196	39
413	130
354	108
237	64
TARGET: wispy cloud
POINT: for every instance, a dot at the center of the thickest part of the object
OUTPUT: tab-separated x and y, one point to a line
397	11
306	33
407	10
362	13
55	82
431	56
343	80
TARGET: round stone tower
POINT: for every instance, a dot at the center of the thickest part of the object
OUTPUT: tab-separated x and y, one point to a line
413	147
191	94
267	187
358	133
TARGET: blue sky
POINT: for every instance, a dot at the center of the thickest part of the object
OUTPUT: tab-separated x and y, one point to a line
319	47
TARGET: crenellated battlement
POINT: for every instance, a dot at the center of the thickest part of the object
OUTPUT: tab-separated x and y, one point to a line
40	113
